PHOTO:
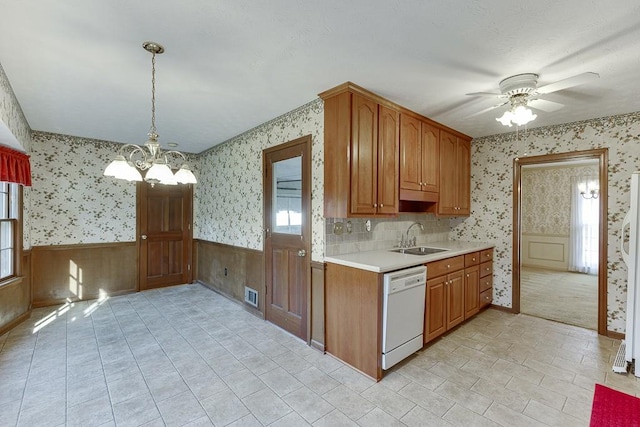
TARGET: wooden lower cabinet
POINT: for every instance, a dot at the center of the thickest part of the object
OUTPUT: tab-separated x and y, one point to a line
457	288
471	291
486	278
435	309
353	317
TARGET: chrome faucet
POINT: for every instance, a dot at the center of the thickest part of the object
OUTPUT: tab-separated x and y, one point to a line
405	242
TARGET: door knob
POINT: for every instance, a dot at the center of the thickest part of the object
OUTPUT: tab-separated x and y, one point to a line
143	237
302	252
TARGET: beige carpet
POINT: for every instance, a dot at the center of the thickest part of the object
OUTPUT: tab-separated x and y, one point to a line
562	296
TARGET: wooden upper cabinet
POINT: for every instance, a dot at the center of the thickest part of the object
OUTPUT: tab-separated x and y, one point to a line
419	159
410	153
388	167
361	156
430	158
364	155
455	175
379	155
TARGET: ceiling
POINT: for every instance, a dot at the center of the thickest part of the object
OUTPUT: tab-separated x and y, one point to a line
77	66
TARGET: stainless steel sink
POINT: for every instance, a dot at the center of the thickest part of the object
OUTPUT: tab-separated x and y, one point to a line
420	250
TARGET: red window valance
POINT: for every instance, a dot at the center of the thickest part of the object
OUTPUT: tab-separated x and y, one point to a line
14	167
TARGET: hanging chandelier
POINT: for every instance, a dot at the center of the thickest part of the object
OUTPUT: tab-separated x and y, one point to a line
150	157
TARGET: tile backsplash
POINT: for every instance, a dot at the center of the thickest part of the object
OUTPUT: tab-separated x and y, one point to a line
385	232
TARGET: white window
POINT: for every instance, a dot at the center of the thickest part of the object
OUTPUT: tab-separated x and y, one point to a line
9	216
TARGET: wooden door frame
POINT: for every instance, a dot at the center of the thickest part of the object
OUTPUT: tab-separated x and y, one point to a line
602	156
188	251
306	143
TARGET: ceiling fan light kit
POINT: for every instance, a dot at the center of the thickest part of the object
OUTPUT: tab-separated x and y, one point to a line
522	91
519	115
150	157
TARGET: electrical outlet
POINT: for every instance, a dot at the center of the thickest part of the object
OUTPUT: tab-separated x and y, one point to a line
338	228
226	272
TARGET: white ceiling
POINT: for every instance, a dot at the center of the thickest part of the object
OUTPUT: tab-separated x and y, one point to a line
77	66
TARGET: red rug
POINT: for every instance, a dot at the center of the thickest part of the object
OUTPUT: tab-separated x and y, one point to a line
613	408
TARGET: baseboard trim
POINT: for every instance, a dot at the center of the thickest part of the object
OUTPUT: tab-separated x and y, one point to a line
15	322
317	345
615	335
52	302
501	308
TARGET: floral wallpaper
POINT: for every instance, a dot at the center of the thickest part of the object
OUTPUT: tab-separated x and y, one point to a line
491	193
73	201
13	118
546	198
228	197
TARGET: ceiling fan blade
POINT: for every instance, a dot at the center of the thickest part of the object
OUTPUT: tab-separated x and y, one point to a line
487	109
544	105
568	82
483	94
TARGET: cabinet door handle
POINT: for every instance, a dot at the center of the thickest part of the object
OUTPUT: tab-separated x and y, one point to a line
473	259
467	275
375	205
448	266
381	205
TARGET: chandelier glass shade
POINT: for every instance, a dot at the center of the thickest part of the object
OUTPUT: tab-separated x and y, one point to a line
132	158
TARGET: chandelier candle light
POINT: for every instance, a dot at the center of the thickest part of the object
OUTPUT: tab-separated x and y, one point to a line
150	157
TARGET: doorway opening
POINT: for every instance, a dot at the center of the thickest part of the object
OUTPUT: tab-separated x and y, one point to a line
560	237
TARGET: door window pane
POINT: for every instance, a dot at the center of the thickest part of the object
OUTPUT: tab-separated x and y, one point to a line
287	196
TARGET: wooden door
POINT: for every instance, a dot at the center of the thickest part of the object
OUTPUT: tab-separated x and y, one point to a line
430	158
164	216
364	165
447	201
463	154
388	141
471	291
287	223
410	153
435	314
455	298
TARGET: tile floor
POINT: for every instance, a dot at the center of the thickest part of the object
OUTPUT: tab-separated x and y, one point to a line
187	356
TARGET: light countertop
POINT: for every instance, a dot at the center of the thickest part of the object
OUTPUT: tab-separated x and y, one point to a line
382	261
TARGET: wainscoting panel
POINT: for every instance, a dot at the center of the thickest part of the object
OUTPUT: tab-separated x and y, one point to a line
15	298
545	251
228	269
83	272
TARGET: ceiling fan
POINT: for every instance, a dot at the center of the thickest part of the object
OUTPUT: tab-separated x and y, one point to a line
522	91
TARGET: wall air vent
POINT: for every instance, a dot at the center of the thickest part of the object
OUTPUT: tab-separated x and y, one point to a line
251	296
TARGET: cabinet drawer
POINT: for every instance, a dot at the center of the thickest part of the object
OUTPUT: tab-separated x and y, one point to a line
486	268
472	259
486	297
438	268
486	255
486	283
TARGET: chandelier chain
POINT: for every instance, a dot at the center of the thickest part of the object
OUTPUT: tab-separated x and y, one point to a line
153	94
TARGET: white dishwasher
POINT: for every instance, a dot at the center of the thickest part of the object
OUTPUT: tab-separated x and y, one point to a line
402	314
